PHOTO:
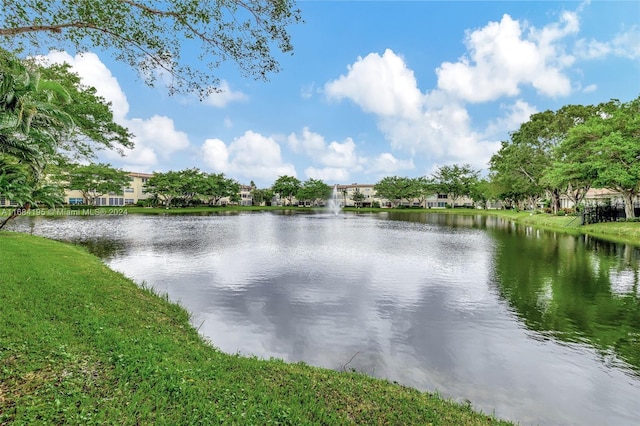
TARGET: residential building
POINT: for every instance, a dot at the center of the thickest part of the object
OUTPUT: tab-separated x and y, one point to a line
131	194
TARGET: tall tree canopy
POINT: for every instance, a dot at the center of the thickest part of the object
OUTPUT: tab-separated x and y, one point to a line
456	180
287	187
313	190
95	180
47	117
609	149
158	36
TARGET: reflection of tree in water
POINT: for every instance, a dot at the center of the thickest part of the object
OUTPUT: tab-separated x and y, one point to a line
103	248
569	288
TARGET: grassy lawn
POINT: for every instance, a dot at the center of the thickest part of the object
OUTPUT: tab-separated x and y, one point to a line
82	344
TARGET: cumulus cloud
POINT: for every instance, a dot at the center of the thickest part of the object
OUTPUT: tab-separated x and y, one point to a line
328	174
334	154
434	125
250	156
505	55
336	161
515	114
224	95
155	138
382	85
501	58
625	44
386	164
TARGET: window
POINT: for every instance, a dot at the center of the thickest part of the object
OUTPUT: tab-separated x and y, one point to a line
144	180
75	201
441	196
129	201
442	204
128	190
116	201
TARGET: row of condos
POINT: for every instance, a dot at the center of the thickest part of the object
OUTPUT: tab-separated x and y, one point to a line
344	196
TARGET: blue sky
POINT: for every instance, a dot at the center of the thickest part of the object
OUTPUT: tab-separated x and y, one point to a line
381	88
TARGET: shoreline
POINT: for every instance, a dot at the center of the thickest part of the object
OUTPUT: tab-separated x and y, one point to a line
616	232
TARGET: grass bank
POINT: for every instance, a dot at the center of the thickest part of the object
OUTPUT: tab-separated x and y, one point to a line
82	344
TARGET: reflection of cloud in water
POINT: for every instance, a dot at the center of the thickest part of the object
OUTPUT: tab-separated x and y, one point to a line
625	282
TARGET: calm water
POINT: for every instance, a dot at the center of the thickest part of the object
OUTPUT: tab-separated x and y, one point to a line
532	326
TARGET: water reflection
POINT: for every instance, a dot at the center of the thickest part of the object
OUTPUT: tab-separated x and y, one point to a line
536	327
575	289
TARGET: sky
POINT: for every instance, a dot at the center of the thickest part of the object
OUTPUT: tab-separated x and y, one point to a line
380	88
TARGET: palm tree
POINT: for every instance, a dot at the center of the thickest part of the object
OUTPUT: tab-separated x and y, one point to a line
31	123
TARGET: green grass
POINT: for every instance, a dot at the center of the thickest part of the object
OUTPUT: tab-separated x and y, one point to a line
82	344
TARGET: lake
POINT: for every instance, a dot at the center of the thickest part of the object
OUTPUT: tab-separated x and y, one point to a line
532	326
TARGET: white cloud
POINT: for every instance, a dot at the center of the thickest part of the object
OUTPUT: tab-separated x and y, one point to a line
382	85
224	96
306	92
386	164
590	88
516	114
337	159
502	58
625	44
216	155
328	174
250	156
155	138
437	127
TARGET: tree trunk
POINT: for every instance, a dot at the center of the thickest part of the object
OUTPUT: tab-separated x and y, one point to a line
555	201
16	212
628	204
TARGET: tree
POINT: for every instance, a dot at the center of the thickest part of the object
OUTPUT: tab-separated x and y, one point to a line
313	190
357	197
16	184
154	37
455	180
191	183
260	196
395	188
526	158
30	107
423	188
286	187
166	186
481	191
513	174
46	116
217	186
95	180
611	140
93	125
